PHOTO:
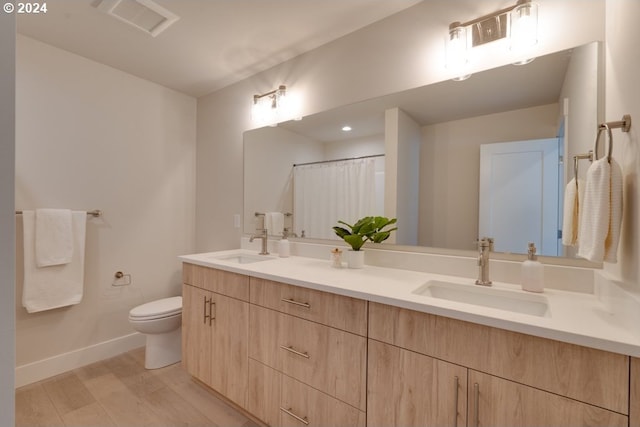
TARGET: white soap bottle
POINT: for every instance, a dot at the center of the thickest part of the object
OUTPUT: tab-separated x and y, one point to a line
532	272
283	248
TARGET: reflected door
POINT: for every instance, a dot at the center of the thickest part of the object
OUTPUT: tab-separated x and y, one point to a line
519	195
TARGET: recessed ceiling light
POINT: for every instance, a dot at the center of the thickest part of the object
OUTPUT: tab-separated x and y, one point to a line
346	128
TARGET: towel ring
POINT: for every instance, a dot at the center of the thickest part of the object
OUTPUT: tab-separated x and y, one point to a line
600	129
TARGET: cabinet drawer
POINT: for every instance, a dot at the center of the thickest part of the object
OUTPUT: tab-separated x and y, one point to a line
301	402
346	313
589	375
497	402
223	282
279	400
328	359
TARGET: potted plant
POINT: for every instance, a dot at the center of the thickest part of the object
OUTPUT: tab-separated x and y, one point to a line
369	228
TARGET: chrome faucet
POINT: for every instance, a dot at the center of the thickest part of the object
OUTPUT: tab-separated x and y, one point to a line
485	246
263	236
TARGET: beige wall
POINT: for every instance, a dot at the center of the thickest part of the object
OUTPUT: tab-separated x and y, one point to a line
398	53
91	137
450	165
623	97
7	217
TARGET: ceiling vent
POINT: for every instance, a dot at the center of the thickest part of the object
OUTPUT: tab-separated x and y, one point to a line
145	15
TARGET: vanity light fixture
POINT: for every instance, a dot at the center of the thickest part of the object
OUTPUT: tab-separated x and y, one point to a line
275	106
518	23
346	128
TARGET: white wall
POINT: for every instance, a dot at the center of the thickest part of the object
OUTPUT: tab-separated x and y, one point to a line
7	217
623	97
450	167
401	52
92	137
269	156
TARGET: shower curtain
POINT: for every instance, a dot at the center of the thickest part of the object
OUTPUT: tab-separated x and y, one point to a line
324	193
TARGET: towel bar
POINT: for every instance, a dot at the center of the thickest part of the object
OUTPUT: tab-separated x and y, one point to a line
262	214
96	213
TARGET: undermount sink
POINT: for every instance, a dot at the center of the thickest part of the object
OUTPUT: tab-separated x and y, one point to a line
501	299
243	258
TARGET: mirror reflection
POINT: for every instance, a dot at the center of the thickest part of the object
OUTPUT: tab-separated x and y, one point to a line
453	161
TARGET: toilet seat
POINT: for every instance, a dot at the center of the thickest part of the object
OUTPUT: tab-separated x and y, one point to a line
159	309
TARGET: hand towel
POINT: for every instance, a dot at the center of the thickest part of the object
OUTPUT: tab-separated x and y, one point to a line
54	237
601	216
274	223
58	285
615	221
573	198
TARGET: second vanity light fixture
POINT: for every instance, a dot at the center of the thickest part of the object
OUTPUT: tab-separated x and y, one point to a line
273	107
518	23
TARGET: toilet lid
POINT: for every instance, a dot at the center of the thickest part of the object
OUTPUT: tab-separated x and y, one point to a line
160	308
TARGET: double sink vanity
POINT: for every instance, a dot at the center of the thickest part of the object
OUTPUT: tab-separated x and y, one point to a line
293	341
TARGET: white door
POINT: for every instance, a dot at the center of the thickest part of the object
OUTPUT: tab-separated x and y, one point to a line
519	195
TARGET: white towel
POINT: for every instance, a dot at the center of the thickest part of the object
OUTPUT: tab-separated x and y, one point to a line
571	212
274	223
54	237
58	285
601	213
615	223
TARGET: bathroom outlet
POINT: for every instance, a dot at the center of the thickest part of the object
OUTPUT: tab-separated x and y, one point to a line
236	220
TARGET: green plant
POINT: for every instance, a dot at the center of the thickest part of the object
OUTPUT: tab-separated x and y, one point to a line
369	228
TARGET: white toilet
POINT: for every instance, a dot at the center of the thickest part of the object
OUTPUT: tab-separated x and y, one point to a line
161	322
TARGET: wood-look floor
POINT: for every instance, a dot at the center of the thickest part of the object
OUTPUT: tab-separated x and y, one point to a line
120	392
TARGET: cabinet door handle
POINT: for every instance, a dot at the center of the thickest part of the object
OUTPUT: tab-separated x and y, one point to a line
207	316
476	402
297	417
294	302
455	401
212	310
294	351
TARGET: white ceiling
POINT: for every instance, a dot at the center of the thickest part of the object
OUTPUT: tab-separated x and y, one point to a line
214	43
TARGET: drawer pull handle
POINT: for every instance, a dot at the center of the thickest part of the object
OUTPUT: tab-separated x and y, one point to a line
207	316
297	417
476	403
455	401
294	351
294	302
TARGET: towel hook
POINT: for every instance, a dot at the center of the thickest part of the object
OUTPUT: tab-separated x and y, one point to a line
600	129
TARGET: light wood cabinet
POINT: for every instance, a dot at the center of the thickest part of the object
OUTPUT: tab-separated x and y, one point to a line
634	410
494	401
222	282
337	311
328	359
588	375
410	389
280	400
215	341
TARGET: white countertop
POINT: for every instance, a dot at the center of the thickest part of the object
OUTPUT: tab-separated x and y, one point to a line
576	318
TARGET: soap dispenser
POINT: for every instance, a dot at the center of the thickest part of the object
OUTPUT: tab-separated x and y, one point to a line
532	272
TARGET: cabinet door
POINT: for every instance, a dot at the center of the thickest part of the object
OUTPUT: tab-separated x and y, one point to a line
196	333
263	398
410	389
634	412
494	401
229	347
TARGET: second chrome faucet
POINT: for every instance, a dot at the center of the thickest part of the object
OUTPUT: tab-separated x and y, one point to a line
485	246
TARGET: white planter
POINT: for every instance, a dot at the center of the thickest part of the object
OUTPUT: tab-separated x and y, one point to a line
355	259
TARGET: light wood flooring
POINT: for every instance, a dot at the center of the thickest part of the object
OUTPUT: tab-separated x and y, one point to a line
120	392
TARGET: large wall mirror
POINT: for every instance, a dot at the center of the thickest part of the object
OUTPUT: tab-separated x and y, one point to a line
431	157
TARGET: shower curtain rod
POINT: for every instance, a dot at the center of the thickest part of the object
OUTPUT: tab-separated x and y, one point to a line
337	160
94	213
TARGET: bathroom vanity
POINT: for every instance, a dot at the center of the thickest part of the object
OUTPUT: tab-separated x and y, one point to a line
295	342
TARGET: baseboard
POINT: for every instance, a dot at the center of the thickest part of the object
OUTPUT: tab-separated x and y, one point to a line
46	368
